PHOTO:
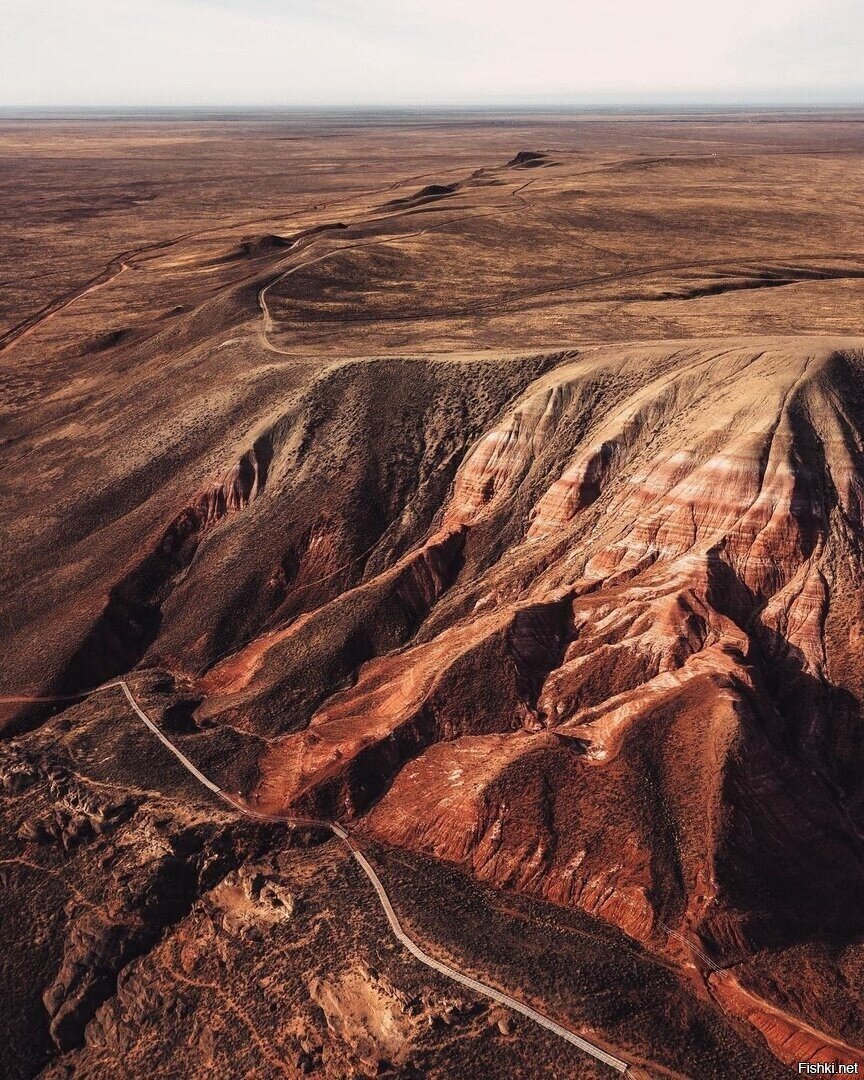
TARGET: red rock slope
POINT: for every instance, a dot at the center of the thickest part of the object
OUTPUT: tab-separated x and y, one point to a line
631	682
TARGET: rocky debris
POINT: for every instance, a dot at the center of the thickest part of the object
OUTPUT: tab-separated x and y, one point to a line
272	896
17	771
503	1021
453	1011
77	814
377	1021
248	902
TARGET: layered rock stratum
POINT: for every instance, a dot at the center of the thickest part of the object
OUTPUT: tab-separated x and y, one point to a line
570	620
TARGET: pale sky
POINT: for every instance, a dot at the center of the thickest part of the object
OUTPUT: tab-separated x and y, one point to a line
68	53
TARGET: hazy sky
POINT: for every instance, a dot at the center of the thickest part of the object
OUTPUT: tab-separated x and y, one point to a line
445	52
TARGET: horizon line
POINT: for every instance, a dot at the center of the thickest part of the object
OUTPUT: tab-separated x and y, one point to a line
637	105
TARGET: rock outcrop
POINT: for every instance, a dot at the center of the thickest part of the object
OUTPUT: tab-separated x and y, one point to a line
626	699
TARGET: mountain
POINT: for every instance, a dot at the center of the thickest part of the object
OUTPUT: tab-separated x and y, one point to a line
581	624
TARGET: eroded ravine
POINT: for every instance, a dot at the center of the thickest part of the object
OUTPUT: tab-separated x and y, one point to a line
686	554
584	621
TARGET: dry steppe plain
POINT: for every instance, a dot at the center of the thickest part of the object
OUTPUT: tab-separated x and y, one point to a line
492	484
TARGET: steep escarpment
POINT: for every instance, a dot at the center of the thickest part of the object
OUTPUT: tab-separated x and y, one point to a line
623	701
224	538
131	618
587	630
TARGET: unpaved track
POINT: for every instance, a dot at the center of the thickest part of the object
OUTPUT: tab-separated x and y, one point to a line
794	267
120	263
268	323
597	1052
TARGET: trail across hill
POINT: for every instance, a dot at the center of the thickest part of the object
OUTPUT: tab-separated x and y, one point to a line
478	987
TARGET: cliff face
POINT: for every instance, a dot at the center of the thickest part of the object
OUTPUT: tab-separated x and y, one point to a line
603	650
628	683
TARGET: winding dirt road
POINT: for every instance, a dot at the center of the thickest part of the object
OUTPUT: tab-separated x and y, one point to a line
122	262
268	323
478	987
